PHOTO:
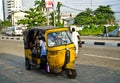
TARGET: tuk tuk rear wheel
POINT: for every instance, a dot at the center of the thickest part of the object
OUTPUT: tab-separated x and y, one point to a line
71	73
27	64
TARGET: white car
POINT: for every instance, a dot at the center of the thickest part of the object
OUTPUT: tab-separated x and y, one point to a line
9	31
17	31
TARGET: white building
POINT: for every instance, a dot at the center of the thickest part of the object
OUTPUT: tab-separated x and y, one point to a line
17	16
14	5
10	6
68	18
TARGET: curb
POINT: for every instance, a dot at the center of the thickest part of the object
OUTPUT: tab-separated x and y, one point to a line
12	38
106	43
101	43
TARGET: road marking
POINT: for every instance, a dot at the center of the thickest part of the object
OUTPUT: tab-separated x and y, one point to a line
105	57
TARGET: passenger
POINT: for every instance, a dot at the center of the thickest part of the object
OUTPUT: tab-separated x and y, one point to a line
43	53
58	40
51	41
37	41
43	47
32	44
39	34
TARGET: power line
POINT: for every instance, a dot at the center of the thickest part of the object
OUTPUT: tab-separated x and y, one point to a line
115	4
117	12
95	3
71	8
84	10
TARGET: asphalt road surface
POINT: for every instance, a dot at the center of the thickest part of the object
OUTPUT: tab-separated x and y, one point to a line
95	64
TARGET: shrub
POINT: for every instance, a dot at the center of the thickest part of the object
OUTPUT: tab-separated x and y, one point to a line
92	30
95	30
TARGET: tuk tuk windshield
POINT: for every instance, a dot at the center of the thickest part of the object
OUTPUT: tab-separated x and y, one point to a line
59	38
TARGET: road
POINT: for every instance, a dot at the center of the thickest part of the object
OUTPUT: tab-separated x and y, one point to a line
95	64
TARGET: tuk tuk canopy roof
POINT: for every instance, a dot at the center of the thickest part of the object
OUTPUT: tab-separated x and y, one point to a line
43	27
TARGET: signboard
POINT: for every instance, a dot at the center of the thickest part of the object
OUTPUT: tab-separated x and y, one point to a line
48	3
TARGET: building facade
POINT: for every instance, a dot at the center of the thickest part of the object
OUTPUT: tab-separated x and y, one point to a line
14	5
10	6
18	16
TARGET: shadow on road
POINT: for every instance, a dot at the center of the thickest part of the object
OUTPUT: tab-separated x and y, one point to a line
12	70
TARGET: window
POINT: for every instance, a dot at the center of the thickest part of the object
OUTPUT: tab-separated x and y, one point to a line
59	38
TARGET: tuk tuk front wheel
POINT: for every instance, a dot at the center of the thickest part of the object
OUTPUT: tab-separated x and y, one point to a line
27	64
71	73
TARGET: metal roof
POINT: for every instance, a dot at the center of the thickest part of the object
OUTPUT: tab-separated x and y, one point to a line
43	27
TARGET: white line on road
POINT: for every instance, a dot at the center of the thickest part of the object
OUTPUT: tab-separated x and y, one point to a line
113	58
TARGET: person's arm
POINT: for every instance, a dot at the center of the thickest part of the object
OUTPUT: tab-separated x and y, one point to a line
41	42
31	45
78	36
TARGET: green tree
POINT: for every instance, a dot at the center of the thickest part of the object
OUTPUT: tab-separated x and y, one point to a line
35	16
40	5
52	18
5	24
59	24
0	23
104	15
85	18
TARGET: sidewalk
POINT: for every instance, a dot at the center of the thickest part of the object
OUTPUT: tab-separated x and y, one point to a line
86	40
106	41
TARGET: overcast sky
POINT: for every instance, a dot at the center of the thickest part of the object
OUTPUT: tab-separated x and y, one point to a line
80	5
77	4
1	12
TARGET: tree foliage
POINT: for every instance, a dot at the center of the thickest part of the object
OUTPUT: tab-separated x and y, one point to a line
59	24
40	5
5	24
105	15
35	16
102	15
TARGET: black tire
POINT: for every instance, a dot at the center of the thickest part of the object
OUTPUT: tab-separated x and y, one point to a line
71	73
27	64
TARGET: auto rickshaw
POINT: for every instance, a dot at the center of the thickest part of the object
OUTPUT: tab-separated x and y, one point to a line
60	50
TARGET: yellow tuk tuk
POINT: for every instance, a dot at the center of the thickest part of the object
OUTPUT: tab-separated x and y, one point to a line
59	47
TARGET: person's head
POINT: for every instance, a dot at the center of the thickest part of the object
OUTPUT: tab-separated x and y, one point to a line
73	29
43	39
37	37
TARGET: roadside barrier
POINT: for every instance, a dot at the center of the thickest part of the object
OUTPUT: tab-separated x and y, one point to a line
11	38
84	42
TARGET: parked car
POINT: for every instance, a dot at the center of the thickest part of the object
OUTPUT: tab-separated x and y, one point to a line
17	31
14	31
4	31
9	31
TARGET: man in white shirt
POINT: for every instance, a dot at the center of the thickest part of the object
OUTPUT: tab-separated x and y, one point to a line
75	39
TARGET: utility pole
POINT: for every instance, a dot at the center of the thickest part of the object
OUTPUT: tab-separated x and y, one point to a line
3	9
47	16
54	12
91	4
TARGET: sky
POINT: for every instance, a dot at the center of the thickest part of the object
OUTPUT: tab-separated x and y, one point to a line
81	5
76	4
1	11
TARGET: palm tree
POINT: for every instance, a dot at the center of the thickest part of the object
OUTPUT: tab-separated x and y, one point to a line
40	5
